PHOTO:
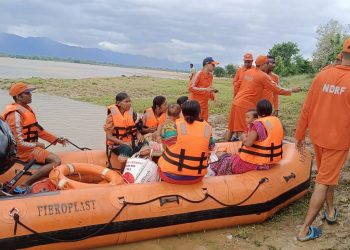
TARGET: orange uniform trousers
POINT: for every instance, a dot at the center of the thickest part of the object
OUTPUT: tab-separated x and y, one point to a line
329	164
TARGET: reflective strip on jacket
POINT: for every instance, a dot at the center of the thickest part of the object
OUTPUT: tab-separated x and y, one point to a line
269	150
189	155
151	120
124	125
30	127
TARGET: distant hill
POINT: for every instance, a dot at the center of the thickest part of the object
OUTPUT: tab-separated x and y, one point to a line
45	47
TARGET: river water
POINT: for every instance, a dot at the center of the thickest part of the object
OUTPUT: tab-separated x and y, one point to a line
82	123
13	68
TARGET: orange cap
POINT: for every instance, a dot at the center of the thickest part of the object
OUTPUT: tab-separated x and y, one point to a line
248	57
340	56
260	60
19	87
346	45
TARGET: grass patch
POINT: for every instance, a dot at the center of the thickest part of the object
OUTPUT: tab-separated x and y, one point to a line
102	91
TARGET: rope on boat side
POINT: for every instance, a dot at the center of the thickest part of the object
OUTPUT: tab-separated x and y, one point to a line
16	216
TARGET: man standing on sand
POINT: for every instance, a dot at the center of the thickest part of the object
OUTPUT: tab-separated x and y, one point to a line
325	114
200	86
248	64
26	130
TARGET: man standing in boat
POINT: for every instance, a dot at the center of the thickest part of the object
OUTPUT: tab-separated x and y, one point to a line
26	130
325	113
201	86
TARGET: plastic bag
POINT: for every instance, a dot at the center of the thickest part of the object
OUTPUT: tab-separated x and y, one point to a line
140	170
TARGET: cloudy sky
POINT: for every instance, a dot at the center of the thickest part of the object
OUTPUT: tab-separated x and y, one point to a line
179	30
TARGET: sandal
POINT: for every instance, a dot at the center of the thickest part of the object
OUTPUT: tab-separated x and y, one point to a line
329	220
314	232
20	190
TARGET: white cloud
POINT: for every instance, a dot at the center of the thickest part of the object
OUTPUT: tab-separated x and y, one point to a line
116	47
25	30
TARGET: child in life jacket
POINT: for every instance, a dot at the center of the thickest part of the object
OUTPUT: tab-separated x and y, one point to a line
250	116
166	132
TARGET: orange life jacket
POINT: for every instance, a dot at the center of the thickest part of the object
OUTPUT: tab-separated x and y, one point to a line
30	127
269	150
124	125
189	155
152	120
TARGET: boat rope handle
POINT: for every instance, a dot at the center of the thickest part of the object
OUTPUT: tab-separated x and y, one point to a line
16	216
18	222
82	149
206	196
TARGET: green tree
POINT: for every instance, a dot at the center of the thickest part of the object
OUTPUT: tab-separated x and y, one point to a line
330	38
288	60
285	50
303	66
219	72
231	70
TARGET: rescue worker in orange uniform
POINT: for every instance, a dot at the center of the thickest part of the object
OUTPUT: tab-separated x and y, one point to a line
26	130
201	86
268	94
254	81
155	115
186	161
326	114
248	64
237	80
122	128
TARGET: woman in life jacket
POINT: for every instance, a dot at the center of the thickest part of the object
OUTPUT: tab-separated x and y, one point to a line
155	115
261	146
7	147
186	161
123	127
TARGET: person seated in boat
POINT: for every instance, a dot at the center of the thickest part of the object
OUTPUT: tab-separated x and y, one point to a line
186	161
264	136
123	128
166	132
155	115
181	100
250	116
8	147
26	130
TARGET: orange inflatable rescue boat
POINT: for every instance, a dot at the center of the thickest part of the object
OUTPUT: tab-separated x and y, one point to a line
112	213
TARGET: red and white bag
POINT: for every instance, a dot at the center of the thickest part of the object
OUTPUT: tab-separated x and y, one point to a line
140	170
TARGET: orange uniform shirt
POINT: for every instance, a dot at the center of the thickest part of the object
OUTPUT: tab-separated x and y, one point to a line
329	66
253	83
326	110
199	84
198	87
269	95
237	80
